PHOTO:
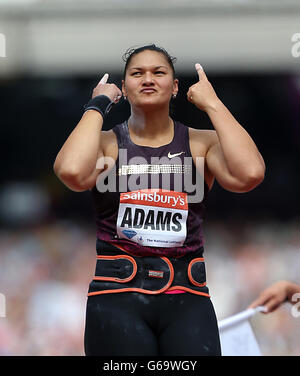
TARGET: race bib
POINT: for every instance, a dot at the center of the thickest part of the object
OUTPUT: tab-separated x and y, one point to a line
153	217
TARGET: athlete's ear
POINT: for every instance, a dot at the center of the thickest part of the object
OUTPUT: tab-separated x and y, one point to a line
124	89
175	86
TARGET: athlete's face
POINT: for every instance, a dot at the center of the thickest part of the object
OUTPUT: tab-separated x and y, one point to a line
149	80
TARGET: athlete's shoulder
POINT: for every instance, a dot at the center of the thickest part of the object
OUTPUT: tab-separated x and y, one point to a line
111	133
199	133
108	143
203	136
106	136
196	131
207	136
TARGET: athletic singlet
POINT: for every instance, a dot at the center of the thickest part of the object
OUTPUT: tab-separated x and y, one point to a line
152	201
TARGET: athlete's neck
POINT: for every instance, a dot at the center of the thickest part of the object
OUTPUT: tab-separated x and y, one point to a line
150	125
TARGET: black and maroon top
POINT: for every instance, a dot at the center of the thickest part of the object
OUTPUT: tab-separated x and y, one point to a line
151	203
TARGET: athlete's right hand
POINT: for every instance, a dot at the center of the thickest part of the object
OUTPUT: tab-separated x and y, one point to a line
110	90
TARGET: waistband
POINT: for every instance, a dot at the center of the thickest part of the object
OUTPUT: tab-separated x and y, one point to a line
117	271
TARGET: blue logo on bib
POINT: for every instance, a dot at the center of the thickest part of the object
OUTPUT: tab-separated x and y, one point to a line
129	233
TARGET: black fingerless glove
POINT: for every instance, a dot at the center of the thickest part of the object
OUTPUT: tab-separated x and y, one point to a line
101	103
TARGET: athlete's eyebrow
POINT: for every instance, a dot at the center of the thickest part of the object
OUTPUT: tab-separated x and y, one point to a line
158	67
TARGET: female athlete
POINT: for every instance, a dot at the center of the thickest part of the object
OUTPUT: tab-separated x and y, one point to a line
149	178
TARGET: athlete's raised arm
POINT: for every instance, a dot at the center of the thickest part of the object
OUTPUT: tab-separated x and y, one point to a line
75	163
232	156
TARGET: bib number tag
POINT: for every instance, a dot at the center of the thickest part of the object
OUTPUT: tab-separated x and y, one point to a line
153	217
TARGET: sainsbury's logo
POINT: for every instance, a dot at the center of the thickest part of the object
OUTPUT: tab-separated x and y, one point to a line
157	196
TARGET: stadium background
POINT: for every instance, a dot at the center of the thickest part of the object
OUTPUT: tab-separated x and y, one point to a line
55	54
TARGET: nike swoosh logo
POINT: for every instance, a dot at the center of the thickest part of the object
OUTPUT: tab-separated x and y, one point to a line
174	155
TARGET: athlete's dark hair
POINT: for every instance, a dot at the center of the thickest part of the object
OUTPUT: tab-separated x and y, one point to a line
152	47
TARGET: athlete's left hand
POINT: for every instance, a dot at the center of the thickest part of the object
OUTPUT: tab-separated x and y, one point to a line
202	94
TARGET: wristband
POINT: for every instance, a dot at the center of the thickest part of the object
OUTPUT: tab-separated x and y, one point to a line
101	103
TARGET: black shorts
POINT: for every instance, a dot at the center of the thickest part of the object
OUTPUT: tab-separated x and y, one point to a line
136	324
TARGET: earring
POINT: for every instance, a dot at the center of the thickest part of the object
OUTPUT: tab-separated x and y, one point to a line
174	96
125	98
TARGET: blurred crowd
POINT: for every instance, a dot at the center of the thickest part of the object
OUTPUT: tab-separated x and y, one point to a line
46	269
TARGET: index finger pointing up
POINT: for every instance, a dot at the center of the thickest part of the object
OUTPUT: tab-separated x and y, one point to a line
104	79
200	71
